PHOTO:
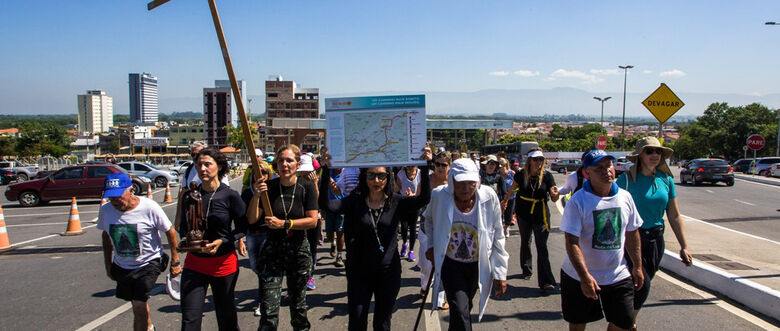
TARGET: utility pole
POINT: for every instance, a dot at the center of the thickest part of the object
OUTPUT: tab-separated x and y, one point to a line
623	126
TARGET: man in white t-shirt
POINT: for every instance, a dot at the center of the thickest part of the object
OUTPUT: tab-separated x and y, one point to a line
132	250
600	223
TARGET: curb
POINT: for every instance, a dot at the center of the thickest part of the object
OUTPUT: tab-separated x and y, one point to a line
758	180
753	295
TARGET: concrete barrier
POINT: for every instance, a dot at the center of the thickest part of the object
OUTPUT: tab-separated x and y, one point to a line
753	295
759	179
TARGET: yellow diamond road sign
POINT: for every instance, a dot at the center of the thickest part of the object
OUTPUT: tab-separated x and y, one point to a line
663	103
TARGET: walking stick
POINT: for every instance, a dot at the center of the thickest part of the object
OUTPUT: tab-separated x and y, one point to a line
425	297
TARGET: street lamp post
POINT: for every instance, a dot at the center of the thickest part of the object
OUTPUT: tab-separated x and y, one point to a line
623	126
602	110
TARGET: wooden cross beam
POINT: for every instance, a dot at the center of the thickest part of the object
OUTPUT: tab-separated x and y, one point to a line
250	145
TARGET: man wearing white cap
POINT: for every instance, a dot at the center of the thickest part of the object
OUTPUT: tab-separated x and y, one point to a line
466	245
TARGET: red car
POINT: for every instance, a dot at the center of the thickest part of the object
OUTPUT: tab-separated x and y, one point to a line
80	181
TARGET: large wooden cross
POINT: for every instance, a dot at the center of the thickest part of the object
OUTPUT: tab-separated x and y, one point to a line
250	145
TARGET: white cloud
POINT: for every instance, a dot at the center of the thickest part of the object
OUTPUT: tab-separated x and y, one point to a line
606	71
672	73
647	72
526	73
576	74
756	94
499	73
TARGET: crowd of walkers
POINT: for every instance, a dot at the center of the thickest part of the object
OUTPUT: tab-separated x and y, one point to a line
456	212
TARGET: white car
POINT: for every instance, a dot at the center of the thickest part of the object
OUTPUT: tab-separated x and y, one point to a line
622	165
180	166
774	170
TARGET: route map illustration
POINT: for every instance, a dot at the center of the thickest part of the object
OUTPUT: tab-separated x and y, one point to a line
368	131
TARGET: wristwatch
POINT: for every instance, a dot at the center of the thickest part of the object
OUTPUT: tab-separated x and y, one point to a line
176	264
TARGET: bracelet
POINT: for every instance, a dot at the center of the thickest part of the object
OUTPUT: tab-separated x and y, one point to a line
291	225
176	264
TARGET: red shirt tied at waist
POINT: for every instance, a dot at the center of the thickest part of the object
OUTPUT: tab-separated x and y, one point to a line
217	266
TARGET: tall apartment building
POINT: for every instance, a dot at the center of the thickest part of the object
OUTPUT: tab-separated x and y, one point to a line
219	110
96	111
283	99
143	98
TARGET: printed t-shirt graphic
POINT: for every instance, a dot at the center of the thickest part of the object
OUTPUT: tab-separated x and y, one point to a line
125	238
464	237
607	224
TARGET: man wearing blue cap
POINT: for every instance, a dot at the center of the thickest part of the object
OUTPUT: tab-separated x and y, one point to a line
599	222
132	250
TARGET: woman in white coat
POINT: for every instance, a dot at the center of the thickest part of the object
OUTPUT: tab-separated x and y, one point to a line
456	214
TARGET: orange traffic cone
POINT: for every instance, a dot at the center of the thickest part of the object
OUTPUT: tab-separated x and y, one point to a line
168	193
5	244
149	191
74	223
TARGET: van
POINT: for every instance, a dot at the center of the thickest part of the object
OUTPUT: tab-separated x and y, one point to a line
761	165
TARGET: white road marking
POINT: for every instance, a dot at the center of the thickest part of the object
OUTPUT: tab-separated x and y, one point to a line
720	303
36	224
735	231
53	214
116	312
709	191
431	317
747	203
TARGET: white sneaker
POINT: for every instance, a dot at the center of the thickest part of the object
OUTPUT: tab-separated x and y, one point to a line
257	311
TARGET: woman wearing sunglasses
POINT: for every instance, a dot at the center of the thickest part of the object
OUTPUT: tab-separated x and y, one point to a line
535	186
371	216
651	184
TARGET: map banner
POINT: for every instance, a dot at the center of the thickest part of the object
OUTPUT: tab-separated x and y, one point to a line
375	131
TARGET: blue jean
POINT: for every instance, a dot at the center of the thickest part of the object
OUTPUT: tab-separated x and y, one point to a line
255	240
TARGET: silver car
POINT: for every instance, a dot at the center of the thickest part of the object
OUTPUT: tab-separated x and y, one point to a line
158	176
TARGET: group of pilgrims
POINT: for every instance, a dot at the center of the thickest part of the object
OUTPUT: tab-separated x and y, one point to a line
454	214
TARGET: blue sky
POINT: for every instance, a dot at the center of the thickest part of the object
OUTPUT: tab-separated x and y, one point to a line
54	50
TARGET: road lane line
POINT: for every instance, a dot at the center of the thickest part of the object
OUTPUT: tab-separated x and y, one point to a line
710	191
116	312
53	214
747	203
36	224
732	230
715	300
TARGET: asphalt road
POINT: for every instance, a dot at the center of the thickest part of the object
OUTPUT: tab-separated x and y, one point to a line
58	283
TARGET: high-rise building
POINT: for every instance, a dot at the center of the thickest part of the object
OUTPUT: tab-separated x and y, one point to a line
283	100
219	110
143	98
96	111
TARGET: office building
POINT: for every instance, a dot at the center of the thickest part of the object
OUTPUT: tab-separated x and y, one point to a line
219	110
143	98
286	100
96	112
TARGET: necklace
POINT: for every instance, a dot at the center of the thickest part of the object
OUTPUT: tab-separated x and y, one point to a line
375	224
284	206
208	207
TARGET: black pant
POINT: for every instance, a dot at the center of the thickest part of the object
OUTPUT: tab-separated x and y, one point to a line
193	294
383	282
409	229
540	234
460	281
653	247
313	235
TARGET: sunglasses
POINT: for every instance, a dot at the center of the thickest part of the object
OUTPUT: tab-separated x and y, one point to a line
375	175
650	151
440	164
538	159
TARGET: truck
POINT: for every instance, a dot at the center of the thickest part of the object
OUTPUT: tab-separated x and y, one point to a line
23	172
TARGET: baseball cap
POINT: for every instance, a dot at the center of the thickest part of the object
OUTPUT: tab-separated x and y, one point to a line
258	153
306	164
116	184
464	170
594	157
536	154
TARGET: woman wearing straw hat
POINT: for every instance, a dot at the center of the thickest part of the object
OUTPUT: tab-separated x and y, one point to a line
651	184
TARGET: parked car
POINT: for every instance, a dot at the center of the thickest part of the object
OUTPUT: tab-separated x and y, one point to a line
774	170
741	165
83	181
7	176
562	166
159	177
180	166
22	171
622	165
761	165
707	170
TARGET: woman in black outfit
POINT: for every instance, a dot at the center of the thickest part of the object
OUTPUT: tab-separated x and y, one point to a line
286	252
216	265
371	216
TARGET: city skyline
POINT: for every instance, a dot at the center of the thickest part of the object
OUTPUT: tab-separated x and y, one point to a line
700	47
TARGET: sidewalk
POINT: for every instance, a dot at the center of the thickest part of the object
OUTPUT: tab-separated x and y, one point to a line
759	179
741	266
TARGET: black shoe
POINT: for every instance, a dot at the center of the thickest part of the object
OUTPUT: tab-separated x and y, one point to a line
526	276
